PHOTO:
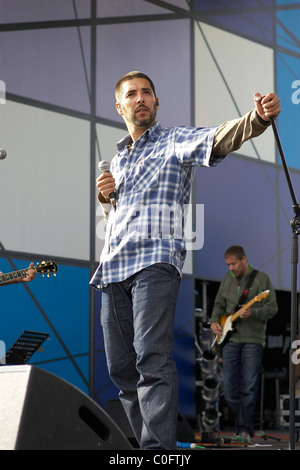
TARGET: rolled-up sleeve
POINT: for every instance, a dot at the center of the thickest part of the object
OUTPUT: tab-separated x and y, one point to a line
232	134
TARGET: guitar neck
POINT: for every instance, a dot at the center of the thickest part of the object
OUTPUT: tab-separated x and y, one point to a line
45	268
14	275
237	314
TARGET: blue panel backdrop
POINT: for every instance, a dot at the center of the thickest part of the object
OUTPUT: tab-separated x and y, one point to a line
245	204
42	10
184	353
251	18
165	58
54	72
128	8
58	306
104	389
288	77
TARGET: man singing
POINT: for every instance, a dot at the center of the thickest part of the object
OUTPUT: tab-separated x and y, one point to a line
140	267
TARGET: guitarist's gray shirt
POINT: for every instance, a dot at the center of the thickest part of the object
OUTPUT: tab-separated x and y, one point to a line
252	329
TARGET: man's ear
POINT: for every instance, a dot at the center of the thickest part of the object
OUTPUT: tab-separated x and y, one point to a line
119	108
157	103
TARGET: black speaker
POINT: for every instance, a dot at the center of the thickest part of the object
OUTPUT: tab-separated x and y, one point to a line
184	432
40	411
117	413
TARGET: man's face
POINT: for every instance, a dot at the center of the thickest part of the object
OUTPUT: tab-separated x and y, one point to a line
138	103
237	266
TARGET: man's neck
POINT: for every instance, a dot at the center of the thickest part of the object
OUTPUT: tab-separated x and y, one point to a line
137	132
246	271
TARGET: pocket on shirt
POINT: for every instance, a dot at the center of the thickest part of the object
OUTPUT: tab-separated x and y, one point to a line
147	174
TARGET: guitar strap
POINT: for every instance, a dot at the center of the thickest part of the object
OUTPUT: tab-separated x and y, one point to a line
246	290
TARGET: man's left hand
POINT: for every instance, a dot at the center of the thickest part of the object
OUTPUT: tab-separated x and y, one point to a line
30	275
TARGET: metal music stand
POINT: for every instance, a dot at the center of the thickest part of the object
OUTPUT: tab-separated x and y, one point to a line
25	346
295	225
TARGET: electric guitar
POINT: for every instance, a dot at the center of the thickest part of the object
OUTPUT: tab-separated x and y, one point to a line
227	320
45	268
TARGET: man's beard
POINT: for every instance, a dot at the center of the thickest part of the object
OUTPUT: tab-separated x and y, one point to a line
145	122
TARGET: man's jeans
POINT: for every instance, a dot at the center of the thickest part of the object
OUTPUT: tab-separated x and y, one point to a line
241	372
137	319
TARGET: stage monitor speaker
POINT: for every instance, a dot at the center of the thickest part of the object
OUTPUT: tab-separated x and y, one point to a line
184	431
117	413
40	411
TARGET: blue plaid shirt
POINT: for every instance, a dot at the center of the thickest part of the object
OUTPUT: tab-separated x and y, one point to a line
153	177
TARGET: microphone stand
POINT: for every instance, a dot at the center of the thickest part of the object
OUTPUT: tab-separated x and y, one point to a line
295	226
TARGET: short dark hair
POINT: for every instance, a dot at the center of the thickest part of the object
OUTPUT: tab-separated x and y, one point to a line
235	250
130	76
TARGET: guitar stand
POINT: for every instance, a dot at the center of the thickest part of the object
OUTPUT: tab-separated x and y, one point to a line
295	226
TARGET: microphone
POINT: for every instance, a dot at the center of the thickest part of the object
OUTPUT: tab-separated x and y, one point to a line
3	154
104	168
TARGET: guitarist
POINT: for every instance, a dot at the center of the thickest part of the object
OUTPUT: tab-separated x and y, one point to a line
30	275
242	353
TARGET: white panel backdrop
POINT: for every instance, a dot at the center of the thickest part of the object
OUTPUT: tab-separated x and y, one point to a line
45	182
229	70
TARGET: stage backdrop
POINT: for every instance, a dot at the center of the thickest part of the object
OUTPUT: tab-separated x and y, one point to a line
59	62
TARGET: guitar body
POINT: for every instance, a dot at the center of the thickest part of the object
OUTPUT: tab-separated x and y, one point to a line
227	326
226	321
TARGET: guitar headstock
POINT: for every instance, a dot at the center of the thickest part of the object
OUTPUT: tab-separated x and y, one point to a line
262	295
46	268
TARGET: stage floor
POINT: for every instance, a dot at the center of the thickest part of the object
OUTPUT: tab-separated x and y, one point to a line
262	440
